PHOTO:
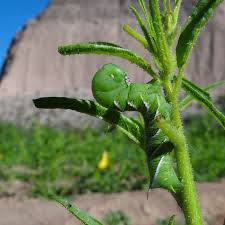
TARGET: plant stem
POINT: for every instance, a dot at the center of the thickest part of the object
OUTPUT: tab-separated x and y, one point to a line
187	198
188	195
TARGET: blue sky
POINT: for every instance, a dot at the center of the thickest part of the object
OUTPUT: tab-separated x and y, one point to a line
14	14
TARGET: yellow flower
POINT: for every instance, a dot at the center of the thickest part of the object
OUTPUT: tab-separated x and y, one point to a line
104	162
1	157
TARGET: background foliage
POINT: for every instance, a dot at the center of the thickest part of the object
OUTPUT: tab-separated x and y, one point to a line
66	161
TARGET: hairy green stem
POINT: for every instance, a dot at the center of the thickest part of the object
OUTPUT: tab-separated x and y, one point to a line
188	196
175	115
188	199
178	82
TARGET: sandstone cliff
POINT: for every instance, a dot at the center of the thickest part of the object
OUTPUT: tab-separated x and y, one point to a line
33	66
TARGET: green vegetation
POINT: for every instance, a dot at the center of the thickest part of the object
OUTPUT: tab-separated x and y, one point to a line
66	161
166	222
207	143
63	161
116	218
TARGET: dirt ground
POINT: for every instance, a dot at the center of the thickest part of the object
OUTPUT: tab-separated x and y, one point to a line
17	209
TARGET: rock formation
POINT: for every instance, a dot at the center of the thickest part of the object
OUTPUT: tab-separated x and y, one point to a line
34	68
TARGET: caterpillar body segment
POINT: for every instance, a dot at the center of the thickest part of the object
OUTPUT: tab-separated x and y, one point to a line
163	175
110	87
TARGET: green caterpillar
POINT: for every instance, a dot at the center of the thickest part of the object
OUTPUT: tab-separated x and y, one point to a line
112	89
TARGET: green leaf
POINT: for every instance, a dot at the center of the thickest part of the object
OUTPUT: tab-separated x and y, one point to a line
164	53
204	99
189	98
176	12
195	22
170	18
172	220
162	174
132	129
105	44
84	217
107	49
151	44
187	83
157	24
138	37
147	17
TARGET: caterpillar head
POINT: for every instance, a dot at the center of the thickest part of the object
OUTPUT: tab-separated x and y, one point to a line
109	86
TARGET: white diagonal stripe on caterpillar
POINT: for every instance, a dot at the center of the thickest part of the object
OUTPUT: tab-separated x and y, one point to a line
131	105
145	103
116	103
